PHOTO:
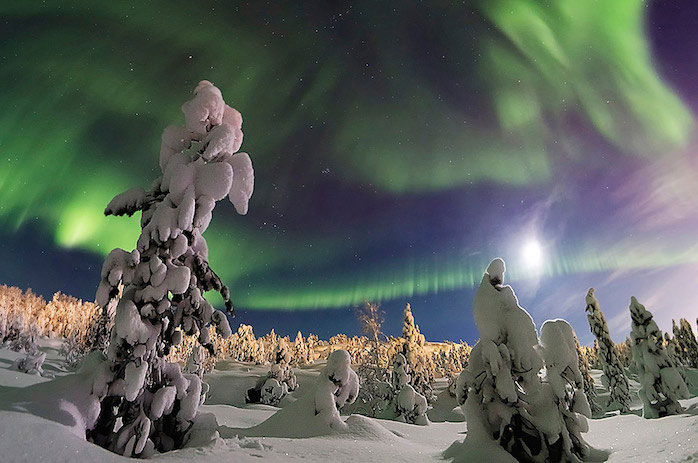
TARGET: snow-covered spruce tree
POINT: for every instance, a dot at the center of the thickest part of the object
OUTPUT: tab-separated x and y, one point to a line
301	354
562	409
195	362
672	348
625	354
413	350
683	333
147	403
278	382
336	386
613	374
593	355
662	384
31	364
509	401
408	405
589	389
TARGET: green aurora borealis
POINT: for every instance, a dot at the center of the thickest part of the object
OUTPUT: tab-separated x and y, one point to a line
362	121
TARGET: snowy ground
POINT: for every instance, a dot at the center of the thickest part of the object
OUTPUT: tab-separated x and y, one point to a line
26	436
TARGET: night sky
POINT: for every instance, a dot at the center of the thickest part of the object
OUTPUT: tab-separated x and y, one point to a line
398	147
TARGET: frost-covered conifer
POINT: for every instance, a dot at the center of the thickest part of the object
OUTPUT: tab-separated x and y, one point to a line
422	376
593	355
565	421
31	364
147	403
409	406
662	384
613	374
278	382
683	333
336	386
672	348
534	415
195	362
589	389
301	353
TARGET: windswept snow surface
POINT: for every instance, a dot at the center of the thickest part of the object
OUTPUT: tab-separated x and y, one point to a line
32	431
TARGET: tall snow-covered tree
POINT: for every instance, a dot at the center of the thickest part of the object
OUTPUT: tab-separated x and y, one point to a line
613	374
589	389
683	333
301	353
566	419
414	352
535	415
672	348
662	384
146	403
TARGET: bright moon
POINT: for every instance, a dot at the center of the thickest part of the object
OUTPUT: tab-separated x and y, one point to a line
532	254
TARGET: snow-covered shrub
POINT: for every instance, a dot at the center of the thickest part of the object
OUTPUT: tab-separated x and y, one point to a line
279	381
662	384
409	406
336	386
74	351
686	340
508	399
31	364
375	391
613	374
146	402
23	339
195	362
272	391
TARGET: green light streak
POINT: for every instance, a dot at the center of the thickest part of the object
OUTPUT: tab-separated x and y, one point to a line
81	109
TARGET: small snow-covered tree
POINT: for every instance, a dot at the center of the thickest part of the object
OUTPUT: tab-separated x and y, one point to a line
31	364
278	382
146	403
422	376
562	415
625	354
408	405
688	346
672	348
195	362
613	374
536	415
301	353
589	389
336	386
18	334
662	384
